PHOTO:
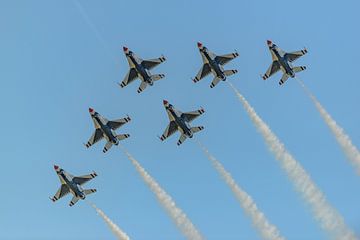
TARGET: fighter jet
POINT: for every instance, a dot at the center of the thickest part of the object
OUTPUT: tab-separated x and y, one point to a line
141	69
71	184
106	129
282	61
180	122
214	64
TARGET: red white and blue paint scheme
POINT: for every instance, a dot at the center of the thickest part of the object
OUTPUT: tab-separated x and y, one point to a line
106	129
282	60
72	184
141	69
180	122
214	64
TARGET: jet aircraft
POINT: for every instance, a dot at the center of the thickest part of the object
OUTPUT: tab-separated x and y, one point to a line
180	122
282	61
141	69
106	129
73	185
214	64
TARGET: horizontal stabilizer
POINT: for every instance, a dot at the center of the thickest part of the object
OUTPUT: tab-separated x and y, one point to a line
108	145
89	191
230	72
73	201
299	69
157	77
181	139
215	82
284	78
122	136
197	129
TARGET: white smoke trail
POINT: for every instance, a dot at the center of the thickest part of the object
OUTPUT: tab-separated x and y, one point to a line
93	27
120	234
262	225
351	152
177	215
330	220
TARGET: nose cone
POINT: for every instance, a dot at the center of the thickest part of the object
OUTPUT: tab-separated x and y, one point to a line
125	49
269	42
91	110
56	167
199	44
165	102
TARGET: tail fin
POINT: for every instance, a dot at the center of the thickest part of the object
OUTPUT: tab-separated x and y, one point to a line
197	129
89	191
230	72
299	69
122	136
157	77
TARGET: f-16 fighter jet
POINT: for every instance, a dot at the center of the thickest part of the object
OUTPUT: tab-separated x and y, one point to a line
71	184
180	122
141	69
214	64
106	129
282	61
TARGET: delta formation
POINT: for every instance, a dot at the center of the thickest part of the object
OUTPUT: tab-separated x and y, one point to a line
179	121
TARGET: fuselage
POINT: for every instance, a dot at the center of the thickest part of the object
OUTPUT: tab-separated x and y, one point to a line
143	73
284	63
215	67
75	189
183	125
109	134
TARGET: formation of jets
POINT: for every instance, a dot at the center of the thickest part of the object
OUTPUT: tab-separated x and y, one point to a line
179	121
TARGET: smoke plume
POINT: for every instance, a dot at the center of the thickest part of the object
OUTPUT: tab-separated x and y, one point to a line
181	221
120	234
329	219
261	224
351	152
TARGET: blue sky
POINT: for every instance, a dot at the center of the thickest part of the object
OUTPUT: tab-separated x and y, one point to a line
54	66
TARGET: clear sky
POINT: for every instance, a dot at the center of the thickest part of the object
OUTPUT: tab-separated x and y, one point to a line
55	64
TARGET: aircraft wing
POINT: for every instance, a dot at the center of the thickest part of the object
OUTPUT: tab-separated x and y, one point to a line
295	55
189	116
115	124
63	191
97	136
170	130
130	76
151	63
204	71
223	59
84	179
274	67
